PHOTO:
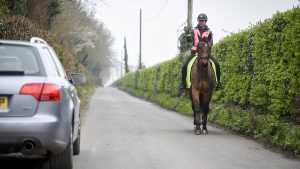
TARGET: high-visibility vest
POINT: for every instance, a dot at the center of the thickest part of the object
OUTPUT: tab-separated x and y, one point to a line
197	34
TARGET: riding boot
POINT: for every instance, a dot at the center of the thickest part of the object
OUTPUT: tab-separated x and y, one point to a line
219	86
183	83
182	86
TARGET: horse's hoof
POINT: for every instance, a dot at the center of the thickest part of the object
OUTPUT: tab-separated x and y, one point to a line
204	131
197	131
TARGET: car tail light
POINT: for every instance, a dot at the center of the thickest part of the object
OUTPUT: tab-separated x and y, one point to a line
42	91
50	92
33	89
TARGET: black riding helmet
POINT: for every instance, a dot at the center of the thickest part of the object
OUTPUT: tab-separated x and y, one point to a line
202	17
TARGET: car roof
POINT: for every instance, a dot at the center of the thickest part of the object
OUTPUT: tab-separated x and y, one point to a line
32	42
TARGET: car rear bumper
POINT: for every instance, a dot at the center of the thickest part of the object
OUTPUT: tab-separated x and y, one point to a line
44	132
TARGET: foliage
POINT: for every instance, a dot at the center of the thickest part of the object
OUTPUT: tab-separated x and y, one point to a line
262	66
16	7
267	128
86	37
42	12
260	72
183	44
21	28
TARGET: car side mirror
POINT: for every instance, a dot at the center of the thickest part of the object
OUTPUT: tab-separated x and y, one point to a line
77	78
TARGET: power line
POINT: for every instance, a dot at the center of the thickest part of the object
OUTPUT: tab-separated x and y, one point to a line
155	16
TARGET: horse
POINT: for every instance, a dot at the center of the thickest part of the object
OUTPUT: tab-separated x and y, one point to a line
202	86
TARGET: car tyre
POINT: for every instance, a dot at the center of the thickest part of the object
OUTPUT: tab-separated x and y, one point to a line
76	144
62	160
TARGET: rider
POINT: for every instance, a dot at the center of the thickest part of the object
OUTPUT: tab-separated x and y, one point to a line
206	34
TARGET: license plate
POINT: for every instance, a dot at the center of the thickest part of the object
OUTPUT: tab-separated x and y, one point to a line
3	102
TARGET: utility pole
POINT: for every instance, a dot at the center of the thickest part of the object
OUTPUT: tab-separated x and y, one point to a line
125	56
189	13
140	56
121	72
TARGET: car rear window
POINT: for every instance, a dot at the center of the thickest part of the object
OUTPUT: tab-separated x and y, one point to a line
19	58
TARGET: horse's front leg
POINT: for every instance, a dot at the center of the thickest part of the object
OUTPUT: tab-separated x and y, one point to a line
205	106
204	121
196	110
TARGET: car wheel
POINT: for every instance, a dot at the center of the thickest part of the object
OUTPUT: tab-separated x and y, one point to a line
62	160
76	144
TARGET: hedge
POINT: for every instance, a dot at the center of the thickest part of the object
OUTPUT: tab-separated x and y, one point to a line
261	75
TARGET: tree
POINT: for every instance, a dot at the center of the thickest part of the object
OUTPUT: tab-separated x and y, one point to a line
87	38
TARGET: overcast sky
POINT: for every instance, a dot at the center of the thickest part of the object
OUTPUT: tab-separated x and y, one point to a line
163	21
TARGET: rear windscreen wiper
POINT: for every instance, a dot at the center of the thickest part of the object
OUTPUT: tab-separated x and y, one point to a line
12	72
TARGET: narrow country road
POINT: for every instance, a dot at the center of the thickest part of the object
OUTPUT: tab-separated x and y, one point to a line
120	131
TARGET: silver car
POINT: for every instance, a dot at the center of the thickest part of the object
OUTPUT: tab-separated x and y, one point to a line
39	106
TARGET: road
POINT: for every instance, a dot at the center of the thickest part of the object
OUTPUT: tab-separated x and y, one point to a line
120	131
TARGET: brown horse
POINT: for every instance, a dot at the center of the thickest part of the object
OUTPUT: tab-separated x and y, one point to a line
203	82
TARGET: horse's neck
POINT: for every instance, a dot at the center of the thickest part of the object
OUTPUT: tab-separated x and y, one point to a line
203	73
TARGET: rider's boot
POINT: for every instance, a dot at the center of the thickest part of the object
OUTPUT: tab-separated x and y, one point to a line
182	86
219	86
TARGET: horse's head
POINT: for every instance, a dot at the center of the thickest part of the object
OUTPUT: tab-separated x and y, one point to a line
203	50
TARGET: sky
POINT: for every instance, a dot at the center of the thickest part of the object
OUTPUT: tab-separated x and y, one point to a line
163	22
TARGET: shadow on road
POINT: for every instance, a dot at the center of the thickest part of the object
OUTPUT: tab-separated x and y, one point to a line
22	163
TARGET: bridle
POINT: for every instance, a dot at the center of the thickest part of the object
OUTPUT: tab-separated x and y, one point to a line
203	50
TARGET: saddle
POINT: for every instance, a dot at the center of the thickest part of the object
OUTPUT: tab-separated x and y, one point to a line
189	70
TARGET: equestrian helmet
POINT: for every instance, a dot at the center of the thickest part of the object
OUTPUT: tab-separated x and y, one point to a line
202	17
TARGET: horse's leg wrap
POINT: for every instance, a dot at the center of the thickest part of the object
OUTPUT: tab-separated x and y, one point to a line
197	108
197	118
204	117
